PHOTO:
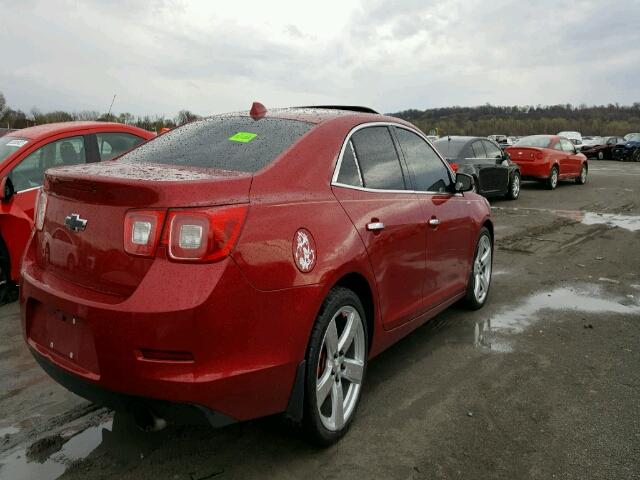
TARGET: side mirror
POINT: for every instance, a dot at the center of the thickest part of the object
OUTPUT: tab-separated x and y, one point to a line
7	191
464	183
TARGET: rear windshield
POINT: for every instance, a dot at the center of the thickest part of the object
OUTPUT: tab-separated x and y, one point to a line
227	143
8	145
449	148
541	141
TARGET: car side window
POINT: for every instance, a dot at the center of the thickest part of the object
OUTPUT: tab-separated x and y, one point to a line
113	144
378	160
558	146
29	173
567	146
493	151
426	169
478	150
349	170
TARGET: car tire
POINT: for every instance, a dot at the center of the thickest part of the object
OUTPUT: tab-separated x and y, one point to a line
600	155
636	155
582	178
552	181
335	373
514	186
479	281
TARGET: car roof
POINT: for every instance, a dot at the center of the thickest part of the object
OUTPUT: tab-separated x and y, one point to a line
43	131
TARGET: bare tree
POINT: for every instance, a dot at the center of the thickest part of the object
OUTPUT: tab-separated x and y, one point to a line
185	116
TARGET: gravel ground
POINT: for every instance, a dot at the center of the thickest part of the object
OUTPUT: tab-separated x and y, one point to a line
541	383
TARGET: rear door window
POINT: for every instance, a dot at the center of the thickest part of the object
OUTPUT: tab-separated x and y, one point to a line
427	172
349	169
379	163
233	143
478	150
113	144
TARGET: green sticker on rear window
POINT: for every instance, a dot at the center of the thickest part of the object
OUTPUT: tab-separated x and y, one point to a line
243	137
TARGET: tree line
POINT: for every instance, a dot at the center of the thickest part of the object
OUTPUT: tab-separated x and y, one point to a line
612	119
16	118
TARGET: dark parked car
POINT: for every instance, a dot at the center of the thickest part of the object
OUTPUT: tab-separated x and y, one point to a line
493	172
629	150
603	149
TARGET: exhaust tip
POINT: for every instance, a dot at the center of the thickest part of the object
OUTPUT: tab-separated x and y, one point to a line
146	420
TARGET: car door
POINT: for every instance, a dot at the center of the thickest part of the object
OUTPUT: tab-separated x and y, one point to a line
371	187
570	162
495	175
448	226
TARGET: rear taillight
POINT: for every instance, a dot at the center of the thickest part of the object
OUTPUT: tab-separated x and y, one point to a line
203	235
454	166
539	155
41	209
142	230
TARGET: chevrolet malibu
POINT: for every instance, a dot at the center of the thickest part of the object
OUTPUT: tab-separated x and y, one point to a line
249	264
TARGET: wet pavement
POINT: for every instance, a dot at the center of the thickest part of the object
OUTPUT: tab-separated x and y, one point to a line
541	383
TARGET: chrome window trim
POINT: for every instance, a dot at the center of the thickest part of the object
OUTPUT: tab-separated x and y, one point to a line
355	159
336	171
28	189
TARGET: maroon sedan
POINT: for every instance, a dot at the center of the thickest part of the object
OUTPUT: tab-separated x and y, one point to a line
249	264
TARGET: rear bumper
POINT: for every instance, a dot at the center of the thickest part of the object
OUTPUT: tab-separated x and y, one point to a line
534	169
180	413
623	155
245	344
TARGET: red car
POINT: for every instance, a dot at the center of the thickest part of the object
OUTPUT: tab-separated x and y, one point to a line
25	155
249	264
549	158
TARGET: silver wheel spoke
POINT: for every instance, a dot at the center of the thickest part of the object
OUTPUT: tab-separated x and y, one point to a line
346	338
331	338
337	405
353	370
323	386
485	255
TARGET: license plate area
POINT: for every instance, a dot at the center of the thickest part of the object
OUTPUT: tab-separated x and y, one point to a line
65	335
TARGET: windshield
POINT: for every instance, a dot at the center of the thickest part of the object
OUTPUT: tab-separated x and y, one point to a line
541	141
239	144
449	148
634	137
8	145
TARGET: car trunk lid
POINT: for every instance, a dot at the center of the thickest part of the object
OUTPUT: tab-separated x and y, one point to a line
524	154
94	256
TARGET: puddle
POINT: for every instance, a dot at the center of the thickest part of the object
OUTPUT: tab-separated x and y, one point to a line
17	466
626	222
8	431
566	298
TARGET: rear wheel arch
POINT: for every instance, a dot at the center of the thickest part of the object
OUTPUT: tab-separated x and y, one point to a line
358	284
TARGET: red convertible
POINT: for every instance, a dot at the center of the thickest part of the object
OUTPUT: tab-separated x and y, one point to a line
549	158
26	154
250	264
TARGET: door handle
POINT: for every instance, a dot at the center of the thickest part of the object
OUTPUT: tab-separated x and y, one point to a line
374	226
434	222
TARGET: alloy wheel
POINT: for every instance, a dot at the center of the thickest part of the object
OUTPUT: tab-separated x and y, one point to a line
554	177
583	175
482	269
340	368
515	187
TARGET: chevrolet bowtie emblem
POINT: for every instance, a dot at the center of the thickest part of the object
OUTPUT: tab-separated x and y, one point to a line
74	223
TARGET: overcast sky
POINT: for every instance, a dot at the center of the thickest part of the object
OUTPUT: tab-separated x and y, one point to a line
212	57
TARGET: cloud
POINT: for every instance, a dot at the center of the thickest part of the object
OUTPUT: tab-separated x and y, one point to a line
164	56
